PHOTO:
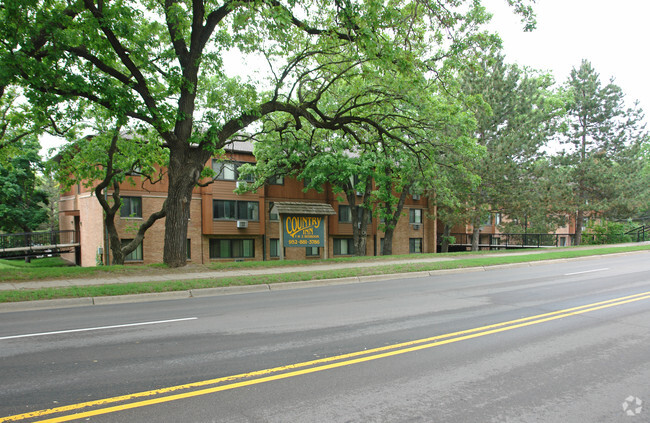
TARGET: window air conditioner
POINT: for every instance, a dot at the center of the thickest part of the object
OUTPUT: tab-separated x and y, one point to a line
416	226
416	197
241	184
242	224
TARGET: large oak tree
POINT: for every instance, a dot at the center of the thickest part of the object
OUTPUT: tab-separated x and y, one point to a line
164	64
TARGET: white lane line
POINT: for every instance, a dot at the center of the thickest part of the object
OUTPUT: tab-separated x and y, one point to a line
586	271
97	328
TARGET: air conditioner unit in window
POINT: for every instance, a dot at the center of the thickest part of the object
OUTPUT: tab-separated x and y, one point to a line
416	197
242	224
416	226
359	194
241	184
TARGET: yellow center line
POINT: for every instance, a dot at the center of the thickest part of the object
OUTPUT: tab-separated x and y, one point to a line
318	365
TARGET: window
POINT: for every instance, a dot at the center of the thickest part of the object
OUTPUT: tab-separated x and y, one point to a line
232	248
189	249
312	252
135	255
228	171
231	209
415	245
343	246
224	209
275	247
488	221
273	216
497	219
276	180
345	214
248	210
415	216
131	207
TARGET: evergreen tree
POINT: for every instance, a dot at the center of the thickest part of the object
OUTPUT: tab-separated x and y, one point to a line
603	157
515	112
21	201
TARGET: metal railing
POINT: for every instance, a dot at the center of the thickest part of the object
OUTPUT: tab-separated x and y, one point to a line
641	233
495	241
34	241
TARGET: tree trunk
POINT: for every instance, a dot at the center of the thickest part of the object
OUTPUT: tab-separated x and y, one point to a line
390	224
444	245
579	220
185	166
476	235
388	242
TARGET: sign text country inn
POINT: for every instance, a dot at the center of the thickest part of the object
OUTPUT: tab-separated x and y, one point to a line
303	231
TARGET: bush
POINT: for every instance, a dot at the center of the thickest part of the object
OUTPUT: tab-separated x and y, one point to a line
606	233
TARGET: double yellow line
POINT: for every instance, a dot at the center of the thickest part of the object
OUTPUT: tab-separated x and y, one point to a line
277	373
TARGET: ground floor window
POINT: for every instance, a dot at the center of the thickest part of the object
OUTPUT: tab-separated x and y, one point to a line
189	249
312	252
275	247
415	245
135	255
343	246
232	248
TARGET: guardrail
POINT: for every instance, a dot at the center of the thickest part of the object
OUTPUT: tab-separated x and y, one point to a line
37	241
641	233
495	241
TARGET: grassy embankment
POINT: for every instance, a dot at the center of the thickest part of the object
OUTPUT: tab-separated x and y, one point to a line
47	269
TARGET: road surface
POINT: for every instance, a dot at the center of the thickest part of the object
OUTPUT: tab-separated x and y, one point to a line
565	341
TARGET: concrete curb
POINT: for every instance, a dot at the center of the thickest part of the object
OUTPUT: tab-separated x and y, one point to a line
137	298
228	290
281	286
46	304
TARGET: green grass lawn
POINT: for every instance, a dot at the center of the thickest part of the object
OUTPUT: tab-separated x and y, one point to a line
41	269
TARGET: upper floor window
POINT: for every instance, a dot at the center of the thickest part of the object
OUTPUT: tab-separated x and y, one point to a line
228	171
415	216
276	180
131	207
232	209
345	214
273	216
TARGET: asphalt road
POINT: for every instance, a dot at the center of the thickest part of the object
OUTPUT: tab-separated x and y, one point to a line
557	342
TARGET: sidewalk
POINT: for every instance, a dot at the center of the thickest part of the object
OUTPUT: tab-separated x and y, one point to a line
175	276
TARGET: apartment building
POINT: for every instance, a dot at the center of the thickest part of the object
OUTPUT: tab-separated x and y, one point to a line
224	226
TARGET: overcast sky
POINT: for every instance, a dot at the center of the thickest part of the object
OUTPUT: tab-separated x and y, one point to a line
612	35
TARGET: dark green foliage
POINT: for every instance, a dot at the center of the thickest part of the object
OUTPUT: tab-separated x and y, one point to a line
21	201
603	166
607	232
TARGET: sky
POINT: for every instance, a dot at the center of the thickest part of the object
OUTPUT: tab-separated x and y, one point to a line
612	35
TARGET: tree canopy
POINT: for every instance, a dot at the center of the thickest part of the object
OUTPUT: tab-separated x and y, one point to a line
603	162
164	65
